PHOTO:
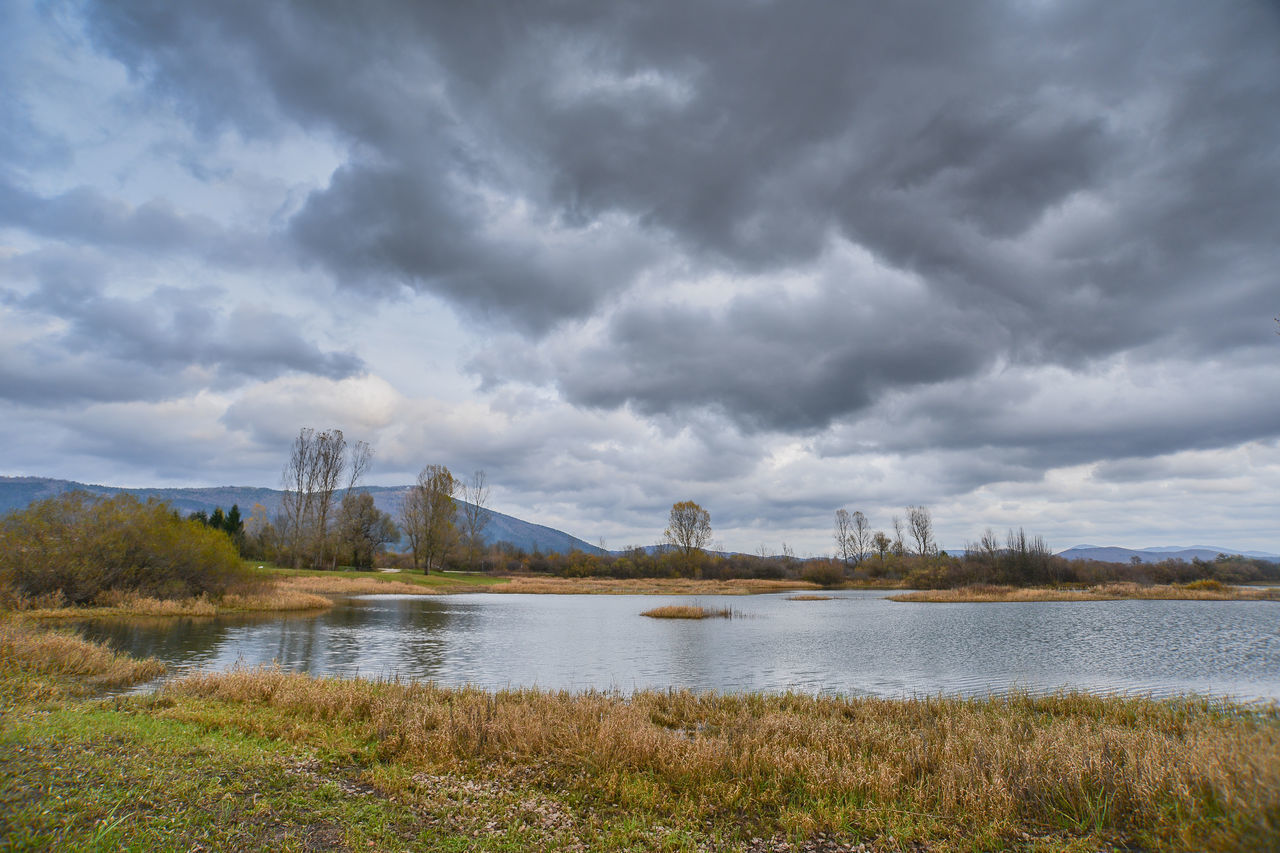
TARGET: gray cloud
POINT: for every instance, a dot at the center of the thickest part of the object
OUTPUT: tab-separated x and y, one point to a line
165	342
767	254
966	144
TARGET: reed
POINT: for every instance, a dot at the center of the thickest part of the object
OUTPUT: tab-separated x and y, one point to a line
810	597
1082	771
28	648
689	611
1196	591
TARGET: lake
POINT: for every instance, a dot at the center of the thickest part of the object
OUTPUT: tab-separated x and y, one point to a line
859	643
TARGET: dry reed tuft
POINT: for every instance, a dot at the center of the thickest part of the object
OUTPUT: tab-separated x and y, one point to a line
1196	591
274	598
689	611
646	586
810	597
1185	774
46	652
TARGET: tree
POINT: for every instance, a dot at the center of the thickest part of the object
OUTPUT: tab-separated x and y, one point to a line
899	547
475	495
920	525
853	536
844	535
311	476
429	509
363	528
882	544
688	531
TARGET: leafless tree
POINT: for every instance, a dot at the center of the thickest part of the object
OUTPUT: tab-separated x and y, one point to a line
475	494
317	461
920	526
861	538
899	546
844	535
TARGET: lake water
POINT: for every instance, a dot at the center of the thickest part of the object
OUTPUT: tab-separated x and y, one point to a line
859	643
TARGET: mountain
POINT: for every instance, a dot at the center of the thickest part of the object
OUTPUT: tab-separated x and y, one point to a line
1113	554
19	492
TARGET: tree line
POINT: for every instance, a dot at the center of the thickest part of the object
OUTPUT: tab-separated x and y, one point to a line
327	521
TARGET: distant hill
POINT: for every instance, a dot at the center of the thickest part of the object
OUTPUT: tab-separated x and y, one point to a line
19	492
1112	554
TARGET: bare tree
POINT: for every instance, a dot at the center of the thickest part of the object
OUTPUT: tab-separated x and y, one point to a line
434	512
861	538
899	545
475	495
689	531
317	461
920	526
297	502
844	535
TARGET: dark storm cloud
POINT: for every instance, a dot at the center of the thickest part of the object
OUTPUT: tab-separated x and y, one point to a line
1061	181
164	343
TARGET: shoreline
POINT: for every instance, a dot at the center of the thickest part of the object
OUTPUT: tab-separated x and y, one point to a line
1196	591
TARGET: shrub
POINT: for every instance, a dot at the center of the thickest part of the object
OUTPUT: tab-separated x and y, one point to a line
83	546
823	573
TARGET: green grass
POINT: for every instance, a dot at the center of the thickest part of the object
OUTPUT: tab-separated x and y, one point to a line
436	581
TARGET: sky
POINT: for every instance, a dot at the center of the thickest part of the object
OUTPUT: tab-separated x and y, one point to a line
1018	262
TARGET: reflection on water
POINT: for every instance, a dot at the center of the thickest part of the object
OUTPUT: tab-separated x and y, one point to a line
857	643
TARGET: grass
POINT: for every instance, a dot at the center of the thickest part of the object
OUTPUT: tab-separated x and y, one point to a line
269	760
1195	591
268	597
810	597
40	661
689	611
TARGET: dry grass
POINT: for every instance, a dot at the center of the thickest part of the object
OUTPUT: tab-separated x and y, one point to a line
689	611
1198	591
646	586
810	597
334	585
27	648
952	774
275	596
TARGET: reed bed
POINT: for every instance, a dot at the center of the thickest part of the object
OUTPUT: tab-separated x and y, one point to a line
689	611
275	598
810	597
25	647
1084	770
647	586
1197	591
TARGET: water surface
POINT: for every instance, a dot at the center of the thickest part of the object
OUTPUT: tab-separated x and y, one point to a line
859	643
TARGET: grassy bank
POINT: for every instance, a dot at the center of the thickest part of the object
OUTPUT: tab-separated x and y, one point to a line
645	586
265	760
1196	591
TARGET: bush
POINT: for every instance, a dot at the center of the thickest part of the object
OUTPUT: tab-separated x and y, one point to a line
83	547
823	573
